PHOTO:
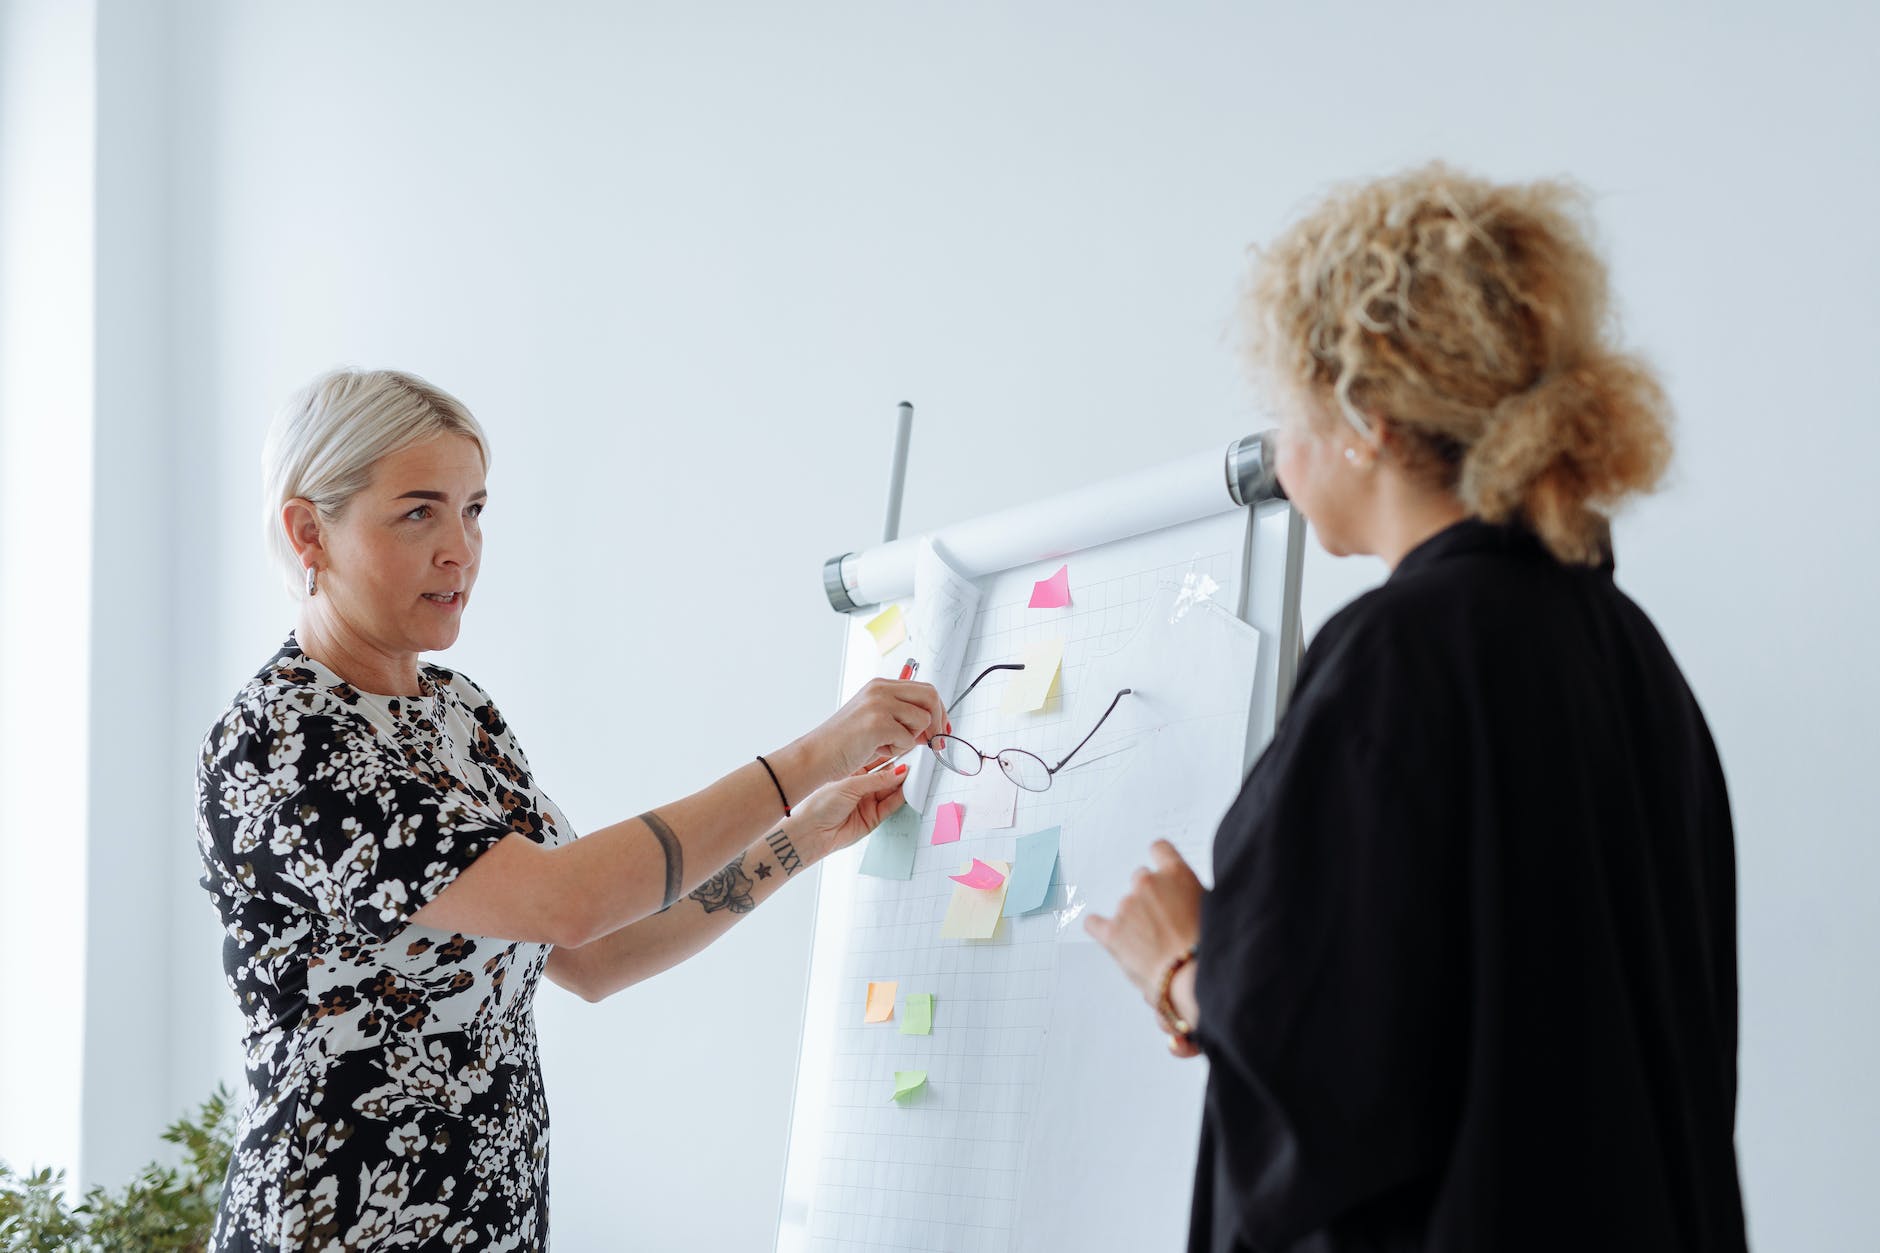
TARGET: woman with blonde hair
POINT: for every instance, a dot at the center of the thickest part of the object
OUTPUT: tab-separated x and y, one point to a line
393	881
1466	978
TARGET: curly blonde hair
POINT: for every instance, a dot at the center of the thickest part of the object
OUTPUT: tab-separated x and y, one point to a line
1473	318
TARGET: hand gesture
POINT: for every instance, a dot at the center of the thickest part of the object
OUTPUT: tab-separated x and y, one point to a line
885	719
837	814
1157	921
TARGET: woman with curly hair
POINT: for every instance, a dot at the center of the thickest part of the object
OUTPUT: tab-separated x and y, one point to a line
1466	978
392	880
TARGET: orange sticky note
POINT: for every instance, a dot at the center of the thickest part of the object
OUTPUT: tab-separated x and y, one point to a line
880	1001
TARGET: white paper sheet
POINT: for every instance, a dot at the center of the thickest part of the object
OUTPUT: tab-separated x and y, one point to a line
945	602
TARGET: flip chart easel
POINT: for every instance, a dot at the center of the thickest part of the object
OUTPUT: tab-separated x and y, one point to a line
1048	1114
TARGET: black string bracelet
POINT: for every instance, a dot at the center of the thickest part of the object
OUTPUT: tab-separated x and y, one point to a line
775	783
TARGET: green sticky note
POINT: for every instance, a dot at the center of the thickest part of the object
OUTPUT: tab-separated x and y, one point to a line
907	1083
918	1019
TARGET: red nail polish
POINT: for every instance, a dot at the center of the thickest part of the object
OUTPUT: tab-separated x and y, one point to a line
900	770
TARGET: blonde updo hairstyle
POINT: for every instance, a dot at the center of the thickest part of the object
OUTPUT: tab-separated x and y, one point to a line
330	435
1473	319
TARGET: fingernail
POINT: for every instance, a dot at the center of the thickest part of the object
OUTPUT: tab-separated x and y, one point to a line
899	770
949	729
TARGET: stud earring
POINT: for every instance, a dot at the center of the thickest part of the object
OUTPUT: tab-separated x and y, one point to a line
311	589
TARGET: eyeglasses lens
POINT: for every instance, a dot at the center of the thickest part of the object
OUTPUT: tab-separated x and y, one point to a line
1027	771
956	754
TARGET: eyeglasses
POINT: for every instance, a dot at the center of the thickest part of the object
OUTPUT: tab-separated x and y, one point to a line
1023	768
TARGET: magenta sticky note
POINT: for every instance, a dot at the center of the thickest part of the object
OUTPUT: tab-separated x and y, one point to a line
1054	592
946	824
979	876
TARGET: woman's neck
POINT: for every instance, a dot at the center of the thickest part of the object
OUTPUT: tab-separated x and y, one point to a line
1410	513
329	641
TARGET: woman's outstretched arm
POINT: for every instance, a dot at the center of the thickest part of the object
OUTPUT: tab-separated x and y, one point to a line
833	818
576	893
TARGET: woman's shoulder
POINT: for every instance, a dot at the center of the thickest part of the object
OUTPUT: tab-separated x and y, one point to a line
287	688
472	695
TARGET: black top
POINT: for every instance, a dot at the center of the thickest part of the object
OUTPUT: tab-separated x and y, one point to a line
1468	974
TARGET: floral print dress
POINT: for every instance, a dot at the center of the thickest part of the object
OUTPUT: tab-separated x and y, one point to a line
395	1093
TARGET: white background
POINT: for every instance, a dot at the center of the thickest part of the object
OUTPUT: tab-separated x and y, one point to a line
683	259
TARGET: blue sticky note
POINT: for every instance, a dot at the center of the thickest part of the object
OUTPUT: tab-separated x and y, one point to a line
1031	872
890	851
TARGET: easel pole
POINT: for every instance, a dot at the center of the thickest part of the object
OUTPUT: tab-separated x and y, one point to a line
897	471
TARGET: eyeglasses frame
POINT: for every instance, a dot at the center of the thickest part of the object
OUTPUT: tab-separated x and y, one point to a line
1050	772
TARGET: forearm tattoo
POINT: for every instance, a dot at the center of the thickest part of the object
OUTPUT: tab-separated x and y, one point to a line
729	889
785	851
675	860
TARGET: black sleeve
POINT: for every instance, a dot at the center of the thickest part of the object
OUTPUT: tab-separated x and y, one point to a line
1331	971
315	812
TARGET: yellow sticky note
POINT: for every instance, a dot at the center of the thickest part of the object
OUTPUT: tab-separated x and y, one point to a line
908	1082
1031	687
889	628
918	1020
973	914
880	1001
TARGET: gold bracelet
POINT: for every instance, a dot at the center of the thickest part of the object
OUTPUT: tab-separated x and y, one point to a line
1172	1022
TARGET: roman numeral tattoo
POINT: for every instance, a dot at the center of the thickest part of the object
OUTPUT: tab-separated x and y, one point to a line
675	859
785	851
729	889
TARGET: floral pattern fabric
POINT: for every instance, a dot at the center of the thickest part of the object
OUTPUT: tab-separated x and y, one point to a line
395	1092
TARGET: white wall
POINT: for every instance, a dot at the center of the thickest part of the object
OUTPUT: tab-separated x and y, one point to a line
683	259
47	191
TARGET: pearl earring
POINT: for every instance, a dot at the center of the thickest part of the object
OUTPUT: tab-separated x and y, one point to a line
311	589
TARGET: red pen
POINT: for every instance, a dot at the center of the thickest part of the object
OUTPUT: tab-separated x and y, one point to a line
909	669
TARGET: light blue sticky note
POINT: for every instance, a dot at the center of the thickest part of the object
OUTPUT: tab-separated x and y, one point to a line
890	851
1031	872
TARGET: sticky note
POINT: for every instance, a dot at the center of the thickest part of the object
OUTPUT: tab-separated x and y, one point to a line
917	1015
890	851
907	1083
973	913
946	824
1031	872
978	875
888	627
1031	687
1052	593
993	802
880	1006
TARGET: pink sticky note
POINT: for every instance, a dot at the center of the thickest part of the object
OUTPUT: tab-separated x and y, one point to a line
980	876
946	824
1052	593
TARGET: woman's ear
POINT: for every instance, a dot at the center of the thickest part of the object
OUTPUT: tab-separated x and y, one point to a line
302	521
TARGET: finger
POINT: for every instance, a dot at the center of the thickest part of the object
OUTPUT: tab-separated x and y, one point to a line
886	803
883	782
1166	858
928	698
1184	1048
1097	927
910	720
